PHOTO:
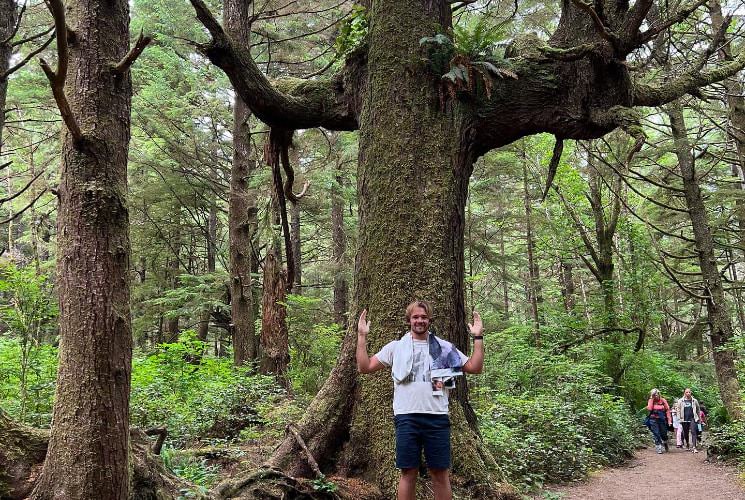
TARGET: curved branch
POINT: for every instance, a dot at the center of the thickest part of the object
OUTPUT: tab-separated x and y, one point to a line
292	103
57	78
653	95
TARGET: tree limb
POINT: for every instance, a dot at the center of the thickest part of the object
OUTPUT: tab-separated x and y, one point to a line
679	16
553	165
26	59
303	104
600	26
657	95
33	37
57	79
129	59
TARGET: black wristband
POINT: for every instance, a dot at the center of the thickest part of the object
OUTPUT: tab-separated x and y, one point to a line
478	337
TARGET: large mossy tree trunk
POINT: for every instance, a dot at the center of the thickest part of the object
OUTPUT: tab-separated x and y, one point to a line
414	163
720	322
89	447
242	208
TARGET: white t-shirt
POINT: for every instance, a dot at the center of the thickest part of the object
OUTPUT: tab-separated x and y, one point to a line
415	395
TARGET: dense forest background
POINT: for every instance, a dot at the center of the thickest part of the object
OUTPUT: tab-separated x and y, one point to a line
583	257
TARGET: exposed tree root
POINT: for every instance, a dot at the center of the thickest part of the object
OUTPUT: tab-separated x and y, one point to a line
24	448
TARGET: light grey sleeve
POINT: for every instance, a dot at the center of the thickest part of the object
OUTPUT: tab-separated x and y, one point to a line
385	355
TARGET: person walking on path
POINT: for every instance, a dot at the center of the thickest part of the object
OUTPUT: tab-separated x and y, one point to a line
701	423
659	419
677	427
424	368
689	411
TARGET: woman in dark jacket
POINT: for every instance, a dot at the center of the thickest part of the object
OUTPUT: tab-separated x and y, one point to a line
659	419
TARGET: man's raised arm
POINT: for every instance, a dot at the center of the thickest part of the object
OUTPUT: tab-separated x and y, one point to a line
365	364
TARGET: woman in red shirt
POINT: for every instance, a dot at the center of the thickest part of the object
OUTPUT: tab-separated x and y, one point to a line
659	419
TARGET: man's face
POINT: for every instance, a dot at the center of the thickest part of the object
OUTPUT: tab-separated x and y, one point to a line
688	394
419	321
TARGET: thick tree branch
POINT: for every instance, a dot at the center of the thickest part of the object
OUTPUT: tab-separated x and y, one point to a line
654	95
129	59
299	103
57	79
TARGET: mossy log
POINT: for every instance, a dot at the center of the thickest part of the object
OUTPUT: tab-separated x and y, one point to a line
24	448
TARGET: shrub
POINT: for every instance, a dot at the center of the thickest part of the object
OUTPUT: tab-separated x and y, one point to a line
211	398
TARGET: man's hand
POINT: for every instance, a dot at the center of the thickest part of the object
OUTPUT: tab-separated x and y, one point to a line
477	328
365	364
363	326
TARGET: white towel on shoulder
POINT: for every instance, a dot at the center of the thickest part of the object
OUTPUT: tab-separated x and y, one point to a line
403	358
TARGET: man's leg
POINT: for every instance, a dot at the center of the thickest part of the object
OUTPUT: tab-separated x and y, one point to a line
407	484
686	433
441	484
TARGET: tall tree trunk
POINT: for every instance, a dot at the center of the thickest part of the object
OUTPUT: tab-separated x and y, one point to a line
533	285
242	208
211	243
736	116
8	17
339	247
275	355
295	241
504	277
412	186
566	270
172	329
720	322
89	445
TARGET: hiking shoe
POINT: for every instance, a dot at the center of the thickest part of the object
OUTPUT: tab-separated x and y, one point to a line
695	450
678	445
658	447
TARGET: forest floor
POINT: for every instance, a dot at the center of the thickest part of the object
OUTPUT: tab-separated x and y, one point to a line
676	475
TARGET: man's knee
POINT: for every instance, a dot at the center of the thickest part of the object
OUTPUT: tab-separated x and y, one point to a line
441	476
409	474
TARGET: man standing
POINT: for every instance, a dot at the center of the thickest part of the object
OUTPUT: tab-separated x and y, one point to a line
689	415
424	368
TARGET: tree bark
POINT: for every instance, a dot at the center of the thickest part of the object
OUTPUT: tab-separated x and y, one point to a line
89	445
533	285
242	208
720	322
296	248
8	17
339	247
275	353
566	273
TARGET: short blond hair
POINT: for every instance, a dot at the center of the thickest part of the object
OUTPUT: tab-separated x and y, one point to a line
418	303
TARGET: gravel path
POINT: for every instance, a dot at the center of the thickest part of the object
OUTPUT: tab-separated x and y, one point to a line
677	475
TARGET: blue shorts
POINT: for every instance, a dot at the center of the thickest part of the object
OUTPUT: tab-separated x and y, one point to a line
417	431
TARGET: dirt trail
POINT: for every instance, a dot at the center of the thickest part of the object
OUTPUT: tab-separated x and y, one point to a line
677	475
